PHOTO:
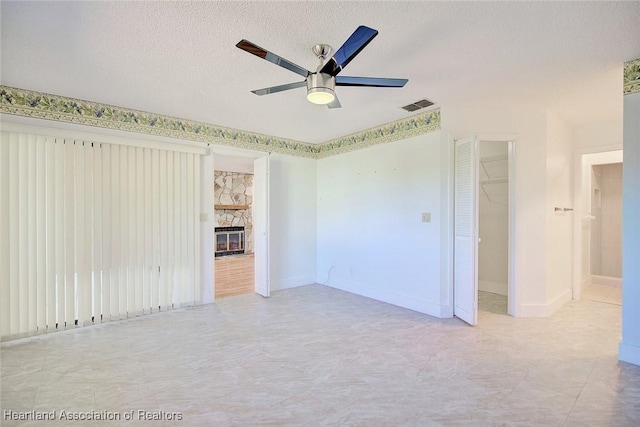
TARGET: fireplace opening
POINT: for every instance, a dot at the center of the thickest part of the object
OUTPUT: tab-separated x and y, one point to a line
229	241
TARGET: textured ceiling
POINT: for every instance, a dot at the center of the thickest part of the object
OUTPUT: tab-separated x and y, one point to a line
180	59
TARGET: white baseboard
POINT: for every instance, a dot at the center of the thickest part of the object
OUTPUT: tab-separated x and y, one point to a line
390	297
545	310
493	287
292	282
560	300
629	353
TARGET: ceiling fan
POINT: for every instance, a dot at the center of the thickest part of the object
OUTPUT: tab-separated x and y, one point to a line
321	84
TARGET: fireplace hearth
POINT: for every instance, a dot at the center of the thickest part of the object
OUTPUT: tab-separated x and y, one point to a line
229	241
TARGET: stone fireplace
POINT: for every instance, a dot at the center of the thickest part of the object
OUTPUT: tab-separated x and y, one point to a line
233	200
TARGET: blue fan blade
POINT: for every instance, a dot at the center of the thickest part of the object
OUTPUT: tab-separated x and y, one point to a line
354	44
369	81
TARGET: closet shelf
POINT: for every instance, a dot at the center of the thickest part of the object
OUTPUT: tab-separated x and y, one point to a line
494	181
499	162
490	182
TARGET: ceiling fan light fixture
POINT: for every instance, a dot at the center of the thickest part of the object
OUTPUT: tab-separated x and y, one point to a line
320	88
320	95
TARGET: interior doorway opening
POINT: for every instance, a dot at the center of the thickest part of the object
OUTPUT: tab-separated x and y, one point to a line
483	252
493	226
241	221
598	228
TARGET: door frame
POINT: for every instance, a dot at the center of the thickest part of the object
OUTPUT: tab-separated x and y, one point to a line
581	166
513	297
208	251
512	289
261	226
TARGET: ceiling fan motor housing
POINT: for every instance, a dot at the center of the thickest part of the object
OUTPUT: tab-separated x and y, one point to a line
321	86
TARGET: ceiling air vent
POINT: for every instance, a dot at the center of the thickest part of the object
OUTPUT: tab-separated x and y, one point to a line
423	103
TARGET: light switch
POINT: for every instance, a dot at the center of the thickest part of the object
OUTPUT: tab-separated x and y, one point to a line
426	216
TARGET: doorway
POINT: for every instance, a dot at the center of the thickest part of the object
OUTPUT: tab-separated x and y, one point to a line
493	226
483	224
241	225
598	259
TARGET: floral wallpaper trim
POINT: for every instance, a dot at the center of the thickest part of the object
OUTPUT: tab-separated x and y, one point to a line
632	76
40	105
406	128
52	107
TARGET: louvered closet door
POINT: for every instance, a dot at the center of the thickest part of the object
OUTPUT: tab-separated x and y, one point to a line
465	270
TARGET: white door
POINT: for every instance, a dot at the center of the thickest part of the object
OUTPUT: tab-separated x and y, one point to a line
465	250
261	224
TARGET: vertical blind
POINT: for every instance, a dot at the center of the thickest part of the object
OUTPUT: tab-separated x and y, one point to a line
94	232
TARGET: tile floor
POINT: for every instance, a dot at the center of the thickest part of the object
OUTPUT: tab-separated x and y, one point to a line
491	302
603	293
316	356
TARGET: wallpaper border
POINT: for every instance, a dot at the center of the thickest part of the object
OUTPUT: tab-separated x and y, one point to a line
632	77
28	103
426	122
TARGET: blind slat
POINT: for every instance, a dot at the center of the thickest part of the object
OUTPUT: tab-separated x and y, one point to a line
168	205
41	233
131	231
189	228
70	237
81	250
14	237
85	304
160	227
51	250
32	243
23	233
5	200
140	291
59	218
116	230
196	248
98	243
107	273
147	284
178	261
124	231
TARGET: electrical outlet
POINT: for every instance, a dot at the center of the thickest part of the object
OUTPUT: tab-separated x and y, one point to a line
426	216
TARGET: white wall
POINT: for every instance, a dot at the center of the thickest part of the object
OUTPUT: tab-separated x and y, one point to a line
630	344
493	250
292	211
598	134
559	251
371	238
